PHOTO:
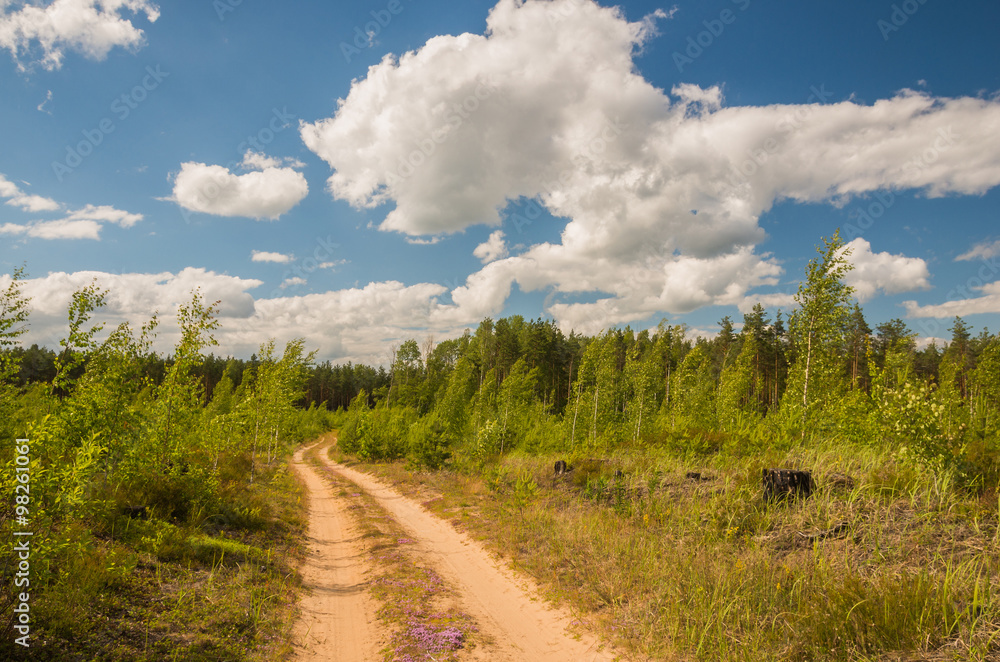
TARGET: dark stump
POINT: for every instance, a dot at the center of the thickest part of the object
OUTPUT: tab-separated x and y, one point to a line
779	484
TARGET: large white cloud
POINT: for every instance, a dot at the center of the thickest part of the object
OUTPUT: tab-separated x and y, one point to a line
353	324
890	274
266	191
663	192
89	27
133	298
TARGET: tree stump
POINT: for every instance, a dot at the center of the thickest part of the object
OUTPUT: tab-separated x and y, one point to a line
562	467
779	484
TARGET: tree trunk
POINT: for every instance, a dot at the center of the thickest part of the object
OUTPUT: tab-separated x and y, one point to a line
805	386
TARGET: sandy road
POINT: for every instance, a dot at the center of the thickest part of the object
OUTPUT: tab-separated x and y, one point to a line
338	617
507	607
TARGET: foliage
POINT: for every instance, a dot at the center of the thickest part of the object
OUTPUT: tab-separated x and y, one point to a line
117	433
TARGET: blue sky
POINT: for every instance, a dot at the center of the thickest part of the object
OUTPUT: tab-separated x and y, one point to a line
357	174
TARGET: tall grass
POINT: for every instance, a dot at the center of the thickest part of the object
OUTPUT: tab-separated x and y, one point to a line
882	559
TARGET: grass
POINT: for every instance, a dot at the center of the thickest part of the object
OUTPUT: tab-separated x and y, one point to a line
131	589
882	562
418	610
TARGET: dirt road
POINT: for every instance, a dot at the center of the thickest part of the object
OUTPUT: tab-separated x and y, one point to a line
517	624
338	616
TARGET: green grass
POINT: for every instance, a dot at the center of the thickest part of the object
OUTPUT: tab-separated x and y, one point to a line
124	589
674	568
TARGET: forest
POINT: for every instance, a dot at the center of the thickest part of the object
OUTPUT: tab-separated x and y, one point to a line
150	472
820	372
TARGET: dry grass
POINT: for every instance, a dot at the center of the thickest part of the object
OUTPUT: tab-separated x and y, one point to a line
883	562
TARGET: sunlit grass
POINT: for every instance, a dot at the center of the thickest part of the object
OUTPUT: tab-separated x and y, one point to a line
882	559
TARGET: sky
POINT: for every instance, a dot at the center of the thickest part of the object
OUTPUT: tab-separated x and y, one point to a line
356	174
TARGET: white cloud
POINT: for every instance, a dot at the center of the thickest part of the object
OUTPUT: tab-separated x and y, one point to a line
352	324
981	251
295	281
989	302
557	112
18	198
81	224
890	274
105	214
65	229
264	256
257	161
492	249
85	223
781	300
89	27
134	298
41	106
267	191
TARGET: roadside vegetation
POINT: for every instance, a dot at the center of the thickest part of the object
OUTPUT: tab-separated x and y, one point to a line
659	533
165	524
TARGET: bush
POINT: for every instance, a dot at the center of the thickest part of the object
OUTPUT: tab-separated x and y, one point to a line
428	443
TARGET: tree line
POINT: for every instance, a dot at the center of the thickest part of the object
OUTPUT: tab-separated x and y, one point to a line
822	370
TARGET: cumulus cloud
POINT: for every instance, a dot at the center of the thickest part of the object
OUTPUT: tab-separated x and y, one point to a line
981	251
890	274
492	249
346	325
85	223
264	256
105	214
257	161
59	229
18	198
555	111
134	298
44	32
268	190
294	281
989	302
